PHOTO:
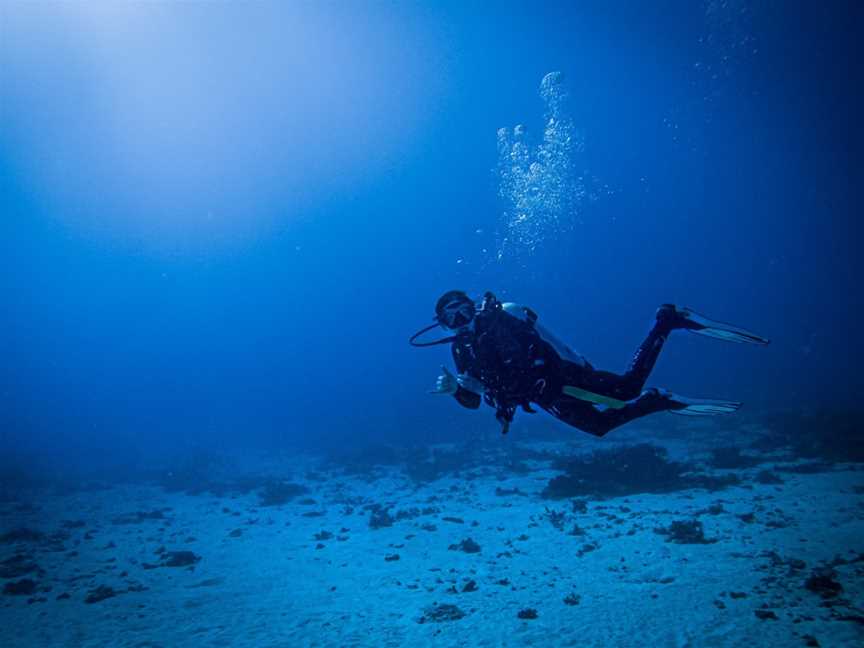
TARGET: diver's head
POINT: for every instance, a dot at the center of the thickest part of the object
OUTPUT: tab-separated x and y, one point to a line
455	310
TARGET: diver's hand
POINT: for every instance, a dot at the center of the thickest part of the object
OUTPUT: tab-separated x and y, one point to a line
446	383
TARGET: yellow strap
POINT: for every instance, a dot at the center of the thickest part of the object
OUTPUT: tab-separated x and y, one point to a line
591	397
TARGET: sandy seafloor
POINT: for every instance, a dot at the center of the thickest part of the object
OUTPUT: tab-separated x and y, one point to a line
260	577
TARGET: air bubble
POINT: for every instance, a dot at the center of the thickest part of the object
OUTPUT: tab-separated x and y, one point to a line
536	179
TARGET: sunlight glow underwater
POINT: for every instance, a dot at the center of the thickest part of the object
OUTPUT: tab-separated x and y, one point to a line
167	125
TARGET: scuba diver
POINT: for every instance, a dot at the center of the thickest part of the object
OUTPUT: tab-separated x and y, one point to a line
504	356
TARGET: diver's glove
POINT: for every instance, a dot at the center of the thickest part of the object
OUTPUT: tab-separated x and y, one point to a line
447	383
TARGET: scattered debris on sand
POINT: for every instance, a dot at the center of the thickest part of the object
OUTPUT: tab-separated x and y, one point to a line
440	613
100	593
685	532
467	546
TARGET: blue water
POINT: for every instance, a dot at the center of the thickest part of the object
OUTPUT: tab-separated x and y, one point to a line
221	223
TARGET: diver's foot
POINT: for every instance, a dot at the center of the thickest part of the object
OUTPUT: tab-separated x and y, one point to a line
677	404
679	317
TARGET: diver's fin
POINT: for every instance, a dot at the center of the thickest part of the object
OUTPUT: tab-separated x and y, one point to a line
700	406
696	323
591	397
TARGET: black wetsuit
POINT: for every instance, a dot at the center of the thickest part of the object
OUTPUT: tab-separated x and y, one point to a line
518	367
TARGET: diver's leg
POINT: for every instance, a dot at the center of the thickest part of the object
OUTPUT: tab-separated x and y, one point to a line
588	418
628	385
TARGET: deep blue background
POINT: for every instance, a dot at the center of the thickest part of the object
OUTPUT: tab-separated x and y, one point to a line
727	134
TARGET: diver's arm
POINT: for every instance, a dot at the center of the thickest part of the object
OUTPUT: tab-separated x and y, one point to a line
470	391
466	389
467	398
